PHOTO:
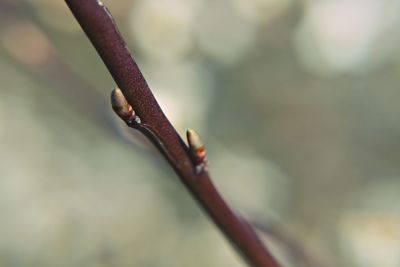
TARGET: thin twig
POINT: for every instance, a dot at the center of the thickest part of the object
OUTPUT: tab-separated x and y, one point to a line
296	252
99	26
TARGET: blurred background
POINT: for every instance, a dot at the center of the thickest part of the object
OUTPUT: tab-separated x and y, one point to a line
297	102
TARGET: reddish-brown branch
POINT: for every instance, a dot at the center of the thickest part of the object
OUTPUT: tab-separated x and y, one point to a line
99	26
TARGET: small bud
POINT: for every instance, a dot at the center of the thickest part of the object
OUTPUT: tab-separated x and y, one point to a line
120	105
197	149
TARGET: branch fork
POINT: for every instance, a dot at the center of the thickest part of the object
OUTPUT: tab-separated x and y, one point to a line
125	111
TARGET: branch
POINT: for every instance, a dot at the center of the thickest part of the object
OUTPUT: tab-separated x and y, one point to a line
99	26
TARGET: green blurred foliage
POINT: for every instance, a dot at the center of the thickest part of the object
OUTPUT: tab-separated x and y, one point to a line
297	102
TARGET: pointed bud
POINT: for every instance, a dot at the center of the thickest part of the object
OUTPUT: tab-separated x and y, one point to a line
120	105
196	147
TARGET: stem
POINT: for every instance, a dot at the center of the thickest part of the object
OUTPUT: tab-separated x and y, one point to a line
99	26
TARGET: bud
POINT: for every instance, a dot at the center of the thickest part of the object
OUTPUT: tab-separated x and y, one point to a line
120	105
196	147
